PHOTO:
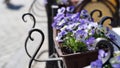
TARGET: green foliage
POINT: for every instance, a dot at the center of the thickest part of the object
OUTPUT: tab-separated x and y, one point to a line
75	45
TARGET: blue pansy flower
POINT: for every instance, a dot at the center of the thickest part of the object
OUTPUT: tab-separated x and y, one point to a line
96	64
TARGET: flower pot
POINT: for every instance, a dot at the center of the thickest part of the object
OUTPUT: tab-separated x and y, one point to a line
79	60
78	33
75	60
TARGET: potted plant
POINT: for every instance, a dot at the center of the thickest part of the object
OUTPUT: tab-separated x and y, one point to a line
75	36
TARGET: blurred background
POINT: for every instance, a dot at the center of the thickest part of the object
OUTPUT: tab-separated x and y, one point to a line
13	31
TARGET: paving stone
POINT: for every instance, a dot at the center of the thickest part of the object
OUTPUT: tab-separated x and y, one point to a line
13	32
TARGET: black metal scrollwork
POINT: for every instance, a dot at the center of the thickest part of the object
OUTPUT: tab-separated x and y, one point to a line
102	43
29	37
26	41
96	10
109	43
34	20
101	22
37	50
32	39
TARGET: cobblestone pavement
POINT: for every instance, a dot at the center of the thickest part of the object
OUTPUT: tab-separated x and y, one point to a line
13	32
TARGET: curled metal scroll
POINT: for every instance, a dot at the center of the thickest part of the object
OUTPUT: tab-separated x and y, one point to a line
29	37
96	10
101	22
110	43
34	20
37	50
102	43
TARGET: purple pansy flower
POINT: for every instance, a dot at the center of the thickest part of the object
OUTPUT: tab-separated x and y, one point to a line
118	58
90	41
71	27
70	9
117	65
82	21
57	19
74	17
80	33
85	14
60	35
82	26
96	64
102	54
78	28
92	25
61	10
92	32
